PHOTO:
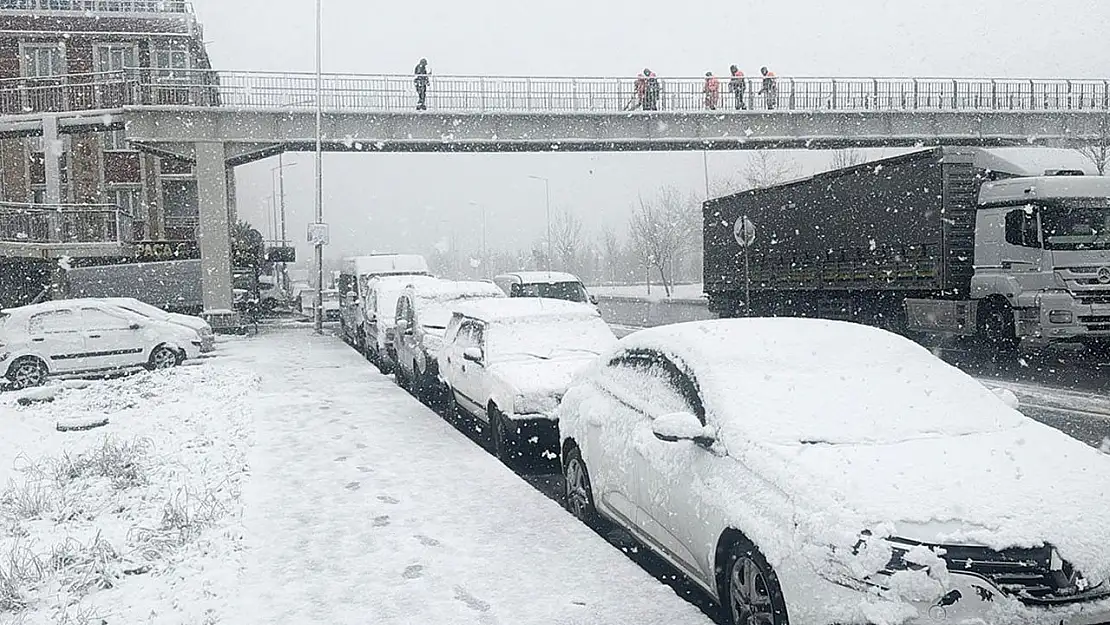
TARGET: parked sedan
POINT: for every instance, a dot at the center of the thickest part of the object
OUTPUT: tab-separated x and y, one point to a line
507	362
207	336
83	336
423	312
816	472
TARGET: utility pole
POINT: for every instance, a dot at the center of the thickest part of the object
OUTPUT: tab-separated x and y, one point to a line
547	192
319	312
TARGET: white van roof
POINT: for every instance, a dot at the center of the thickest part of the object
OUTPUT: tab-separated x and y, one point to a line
387	264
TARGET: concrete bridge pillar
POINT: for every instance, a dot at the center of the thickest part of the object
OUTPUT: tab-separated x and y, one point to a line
215	228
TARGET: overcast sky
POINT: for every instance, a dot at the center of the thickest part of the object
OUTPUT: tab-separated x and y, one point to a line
399	202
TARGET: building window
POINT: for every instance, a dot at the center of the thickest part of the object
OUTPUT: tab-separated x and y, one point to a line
171	63
43	60
115	58
116	141
127	200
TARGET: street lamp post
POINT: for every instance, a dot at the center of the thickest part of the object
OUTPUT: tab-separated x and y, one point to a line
547	193
485	251
319	313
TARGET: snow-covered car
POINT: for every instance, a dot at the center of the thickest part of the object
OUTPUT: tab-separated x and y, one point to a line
818	472
380	308
83	336
423	312
550	284
207	335
507	362
306	301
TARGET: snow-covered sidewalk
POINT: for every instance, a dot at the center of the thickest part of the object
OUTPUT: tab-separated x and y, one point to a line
365	507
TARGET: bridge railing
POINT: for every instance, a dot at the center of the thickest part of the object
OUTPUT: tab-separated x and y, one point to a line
65	223
99	6
487	94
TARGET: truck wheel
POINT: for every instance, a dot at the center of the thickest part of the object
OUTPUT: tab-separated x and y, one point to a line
27	373
996	327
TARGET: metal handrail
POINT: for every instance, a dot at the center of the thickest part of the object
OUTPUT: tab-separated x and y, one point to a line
99	6
65	223
508	94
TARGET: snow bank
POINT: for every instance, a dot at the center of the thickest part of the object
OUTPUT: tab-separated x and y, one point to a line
129	522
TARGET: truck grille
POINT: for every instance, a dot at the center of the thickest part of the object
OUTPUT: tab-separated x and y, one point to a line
1091	299
1025	574
1096	323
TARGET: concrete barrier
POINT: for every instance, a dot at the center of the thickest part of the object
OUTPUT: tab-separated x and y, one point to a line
641	312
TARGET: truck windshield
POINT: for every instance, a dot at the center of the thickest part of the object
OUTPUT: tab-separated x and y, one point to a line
1076	224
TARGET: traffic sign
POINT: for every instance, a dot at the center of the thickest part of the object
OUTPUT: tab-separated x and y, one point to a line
744	231
318	234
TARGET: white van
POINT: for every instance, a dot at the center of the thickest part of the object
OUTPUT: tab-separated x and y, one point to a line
354	288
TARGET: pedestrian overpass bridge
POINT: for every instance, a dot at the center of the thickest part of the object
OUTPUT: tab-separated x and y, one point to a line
219	120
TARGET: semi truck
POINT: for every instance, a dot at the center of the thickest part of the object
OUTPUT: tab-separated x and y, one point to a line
946	245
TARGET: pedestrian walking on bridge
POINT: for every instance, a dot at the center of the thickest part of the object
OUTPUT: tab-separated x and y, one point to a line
770	90
712	91
737	86
421	82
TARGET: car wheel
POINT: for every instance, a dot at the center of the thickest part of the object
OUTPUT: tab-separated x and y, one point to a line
499	437
578	493
402	379
27	373
416	383
452	411
751	588
163	357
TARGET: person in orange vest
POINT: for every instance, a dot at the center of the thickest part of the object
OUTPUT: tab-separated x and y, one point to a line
737	86
770	90
641	87
712	91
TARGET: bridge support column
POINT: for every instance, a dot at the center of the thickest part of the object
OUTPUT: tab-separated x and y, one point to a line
215	229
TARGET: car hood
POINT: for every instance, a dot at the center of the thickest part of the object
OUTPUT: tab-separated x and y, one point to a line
536	376
195	323
1019	487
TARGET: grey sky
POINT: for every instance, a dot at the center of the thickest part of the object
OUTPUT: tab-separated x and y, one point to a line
398	202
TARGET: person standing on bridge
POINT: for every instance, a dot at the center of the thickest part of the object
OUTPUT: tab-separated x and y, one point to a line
712	91
770	90
651	94
421	82
737	86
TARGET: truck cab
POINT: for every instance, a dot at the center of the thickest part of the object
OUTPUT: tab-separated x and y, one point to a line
1042	259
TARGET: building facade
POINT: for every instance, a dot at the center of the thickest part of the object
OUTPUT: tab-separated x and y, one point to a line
57	54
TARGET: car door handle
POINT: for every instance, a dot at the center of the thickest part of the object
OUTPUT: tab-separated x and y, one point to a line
38	340
94	336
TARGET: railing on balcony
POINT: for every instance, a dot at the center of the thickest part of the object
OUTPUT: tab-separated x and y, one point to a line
486	94
98	6
64	223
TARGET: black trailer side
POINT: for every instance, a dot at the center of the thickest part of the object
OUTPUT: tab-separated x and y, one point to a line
849	244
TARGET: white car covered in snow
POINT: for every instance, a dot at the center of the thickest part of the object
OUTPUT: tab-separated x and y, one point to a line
83	336
207	336
817	472
423	313
507	362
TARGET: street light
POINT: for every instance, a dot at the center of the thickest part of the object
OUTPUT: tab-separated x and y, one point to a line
547	191
319	321
280	170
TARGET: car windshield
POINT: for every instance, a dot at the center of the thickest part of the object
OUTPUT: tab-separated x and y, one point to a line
1076	225
544	339
569	291
436	312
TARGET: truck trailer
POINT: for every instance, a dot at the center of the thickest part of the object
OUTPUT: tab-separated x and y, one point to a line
941	244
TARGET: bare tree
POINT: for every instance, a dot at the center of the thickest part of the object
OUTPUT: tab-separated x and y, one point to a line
661	231
1098	152
566	240
767	168
848	157
612	253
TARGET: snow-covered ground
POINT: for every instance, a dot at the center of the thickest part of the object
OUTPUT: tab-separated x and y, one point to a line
680	291
285	481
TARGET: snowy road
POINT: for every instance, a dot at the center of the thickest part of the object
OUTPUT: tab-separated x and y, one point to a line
363	506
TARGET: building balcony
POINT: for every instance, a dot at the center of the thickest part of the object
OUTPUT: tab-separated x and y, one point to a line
64	230
141	8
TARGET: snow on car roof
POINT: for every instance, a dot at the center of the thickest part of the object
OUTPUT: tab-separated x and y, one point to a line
531	277
818	381
525	308
450	289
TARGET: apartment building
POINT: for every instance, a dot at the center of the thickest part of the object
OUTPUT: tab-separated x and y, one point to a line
73	54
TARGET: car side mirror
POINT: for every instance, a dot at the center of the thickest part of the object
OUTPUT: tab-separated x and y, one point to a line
593	300
682	426
135	326
473	354
403	326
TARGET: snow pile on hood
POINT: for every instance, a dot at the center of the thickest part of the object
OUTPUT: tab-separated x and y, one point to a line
863	429
547	339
